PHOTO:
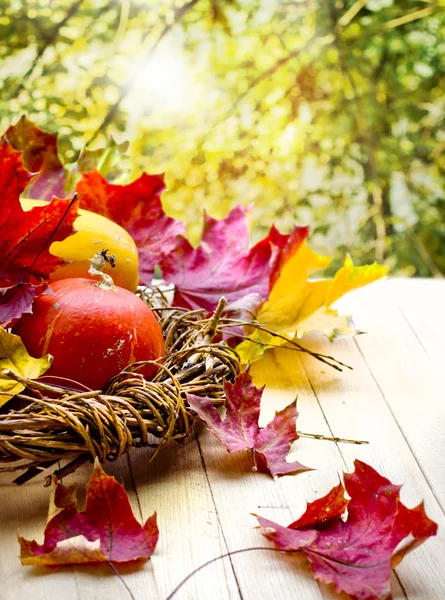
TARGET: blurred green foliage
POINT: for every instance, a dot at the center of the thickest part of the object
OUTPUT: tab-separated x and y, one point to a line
328	112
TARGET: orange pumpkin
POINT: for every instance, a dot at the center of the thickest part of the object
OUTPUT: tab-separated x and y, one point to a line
91	331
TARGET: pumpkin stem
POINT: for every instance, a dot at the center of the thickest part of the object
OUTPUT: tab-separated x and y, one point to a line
98	263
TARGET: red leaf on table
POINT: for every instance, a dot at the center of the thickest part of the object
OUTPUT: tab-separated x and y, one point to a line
224	265
356	554
138	208
39	150
240	430
25	259
318	512
105	531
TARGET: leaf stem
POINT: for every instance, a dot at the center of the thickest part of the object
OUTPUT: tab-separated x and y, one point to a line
209	562
122	580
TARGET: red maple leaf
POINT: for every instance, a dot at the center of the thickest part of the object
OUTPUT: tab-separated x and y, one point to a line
224	265
25	259
356	554
105	531
138	208
240	430
39	153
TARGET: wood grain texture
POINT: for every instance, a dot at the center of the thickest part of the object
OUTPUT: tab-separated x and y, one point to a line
204	497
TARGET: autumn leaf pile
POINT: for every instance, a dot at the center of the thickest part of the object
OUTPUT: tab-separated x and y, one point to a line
270	283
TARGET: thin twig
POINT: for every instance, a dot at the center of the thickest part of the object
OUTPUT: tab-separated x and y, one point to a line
319	436
351	13
226	555
256	325
410	17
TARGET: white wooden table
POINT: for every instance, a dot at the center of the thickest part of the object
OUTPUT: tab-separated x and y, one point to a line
394	397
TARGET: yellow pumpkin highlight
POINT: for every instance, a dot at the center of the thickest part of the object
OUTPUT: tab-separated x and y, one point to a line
94	233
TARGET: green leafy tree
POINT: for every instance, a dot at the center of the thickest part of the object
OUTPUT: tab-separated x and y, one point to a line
328	112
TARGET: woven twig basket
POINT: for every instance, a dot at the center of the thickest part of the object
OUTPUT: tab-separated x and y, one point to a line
57	423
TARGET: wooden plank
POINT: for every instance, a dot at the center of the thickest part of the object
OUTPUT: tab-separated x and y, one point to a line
411	382
355	407
24	510
175	485
204	496
294	376
421	303
284	374
238	492
99	582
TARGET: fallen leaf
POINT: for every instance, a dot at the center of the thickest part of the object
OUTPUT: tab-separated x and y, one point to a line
39	152
13	355
224	265
240	429
105	531
297	305
137	207
25	260
356	553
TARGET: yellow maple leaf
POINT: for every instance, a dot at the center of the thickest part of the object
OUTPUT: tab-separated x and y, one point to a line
14	356
297	305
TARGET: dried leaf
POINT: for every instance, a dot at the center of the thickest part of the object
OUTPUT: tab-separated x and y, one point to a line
224	265
105	531
40	155
297	305
25	260
240	429
245	309
356	554
13	355
111	161
138	208
53	178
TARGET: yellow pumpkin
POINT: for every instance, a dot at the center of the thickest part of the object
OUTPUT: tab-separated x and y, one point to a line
94	233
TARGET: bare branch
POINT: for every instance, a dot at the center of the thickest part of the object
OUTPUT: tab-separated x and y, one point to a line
414	16
351	13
